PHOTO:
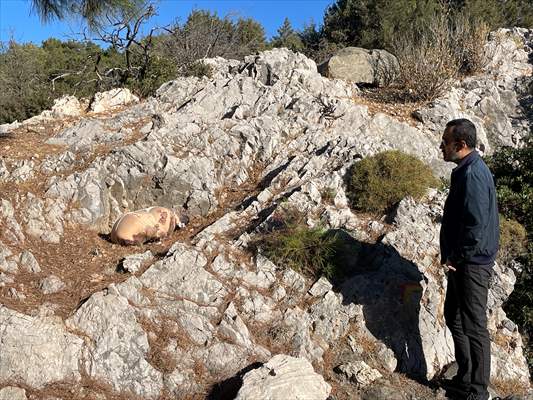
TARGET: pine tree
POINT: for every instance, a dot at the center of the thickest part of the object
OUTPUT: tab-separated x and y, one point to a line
287	37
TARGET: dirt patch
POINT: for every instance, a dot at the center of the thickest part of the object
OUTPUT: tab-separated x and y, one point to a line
84	260
380	100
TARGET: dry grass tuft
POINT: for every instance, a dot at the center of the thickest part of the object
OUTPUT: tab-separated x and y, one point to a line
510	387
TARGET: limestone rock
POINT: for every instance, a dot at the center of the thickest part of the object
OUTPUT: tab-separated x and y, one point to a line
360	65
492	101
7	263
182	274
284	377
84	135
221	358
22	170
51	284
28	262
118	348
12	229
277	64
359	373
233	328
106	101
58	163
134	262
6	128
43	219
4	171
271	125
320	287
37	351
66	106
12	393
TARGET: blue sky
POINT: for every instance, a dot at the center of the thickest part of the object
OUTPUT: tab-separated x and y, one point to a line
17	20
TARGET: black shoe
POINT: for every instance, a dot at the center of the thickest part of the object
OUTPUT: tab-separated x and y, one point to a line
477	396
455	389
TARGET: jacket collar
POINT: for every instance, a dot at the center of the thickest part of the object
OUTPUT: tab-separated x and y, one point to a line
467	160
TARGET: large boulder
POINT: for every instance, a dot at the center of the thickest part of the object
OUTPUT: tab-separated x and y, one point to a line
375	67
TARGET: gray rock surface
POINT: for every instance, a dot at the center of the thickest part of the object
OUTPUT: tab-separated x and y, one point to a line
108	100
494	101
119	346
51	284
378	67
12	229
12	393
134	262
37	351
284	377
359	373
28	262
275	134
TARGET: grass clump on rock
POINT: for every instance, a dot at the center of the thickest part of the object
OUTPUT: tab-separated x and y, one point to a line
312	251
378	182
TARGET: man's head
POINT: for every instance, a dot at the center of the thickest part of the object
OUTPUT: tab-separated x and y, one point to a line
458	140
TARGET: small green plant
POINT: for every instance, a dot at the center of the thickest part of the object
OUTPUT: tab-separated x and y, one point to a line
379	182
328	195
513	240
315	252
198	69
513	176
444	183
304	249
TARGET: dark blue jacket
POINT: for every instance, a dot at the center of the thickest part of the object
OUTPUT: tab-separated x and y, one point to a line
470	223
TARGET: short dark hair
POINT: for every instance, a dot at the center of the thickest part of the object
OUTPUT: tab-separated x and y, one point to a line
463	129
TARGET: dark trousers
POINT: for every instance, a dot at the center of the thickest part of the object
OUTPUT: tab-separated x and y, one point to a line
465	312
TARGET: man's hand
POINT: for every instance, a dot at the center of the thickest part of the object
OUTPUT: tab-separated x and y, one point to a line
448	264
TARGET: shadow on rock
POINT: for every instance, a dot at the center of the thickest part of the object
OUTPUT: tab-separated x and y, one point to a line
228	389
388	287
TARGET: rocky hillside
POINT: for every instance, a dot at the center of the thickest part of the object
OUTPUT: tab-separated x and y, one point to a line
202	314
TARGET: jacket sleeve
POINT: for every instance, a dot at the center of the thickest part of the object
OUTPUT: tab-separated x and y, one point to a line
474	217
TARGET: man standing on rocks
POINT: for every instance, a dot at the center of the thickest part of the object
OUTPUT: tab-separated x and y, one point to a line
469	239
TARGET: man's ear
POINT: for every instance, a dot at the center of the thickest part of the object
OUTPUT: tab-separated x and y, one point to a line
460	145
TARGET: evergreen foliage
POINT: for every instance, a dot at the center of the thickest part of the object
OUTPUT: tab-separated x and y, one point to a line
315	251
375	23
32	76
287	37
378	182
513	240
204	34
91	11
513	174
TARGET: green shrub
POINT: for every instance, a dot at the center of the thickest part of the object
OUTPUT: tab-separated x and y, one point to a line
513	175
315	252
306	250
513	240
375	23
378	182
